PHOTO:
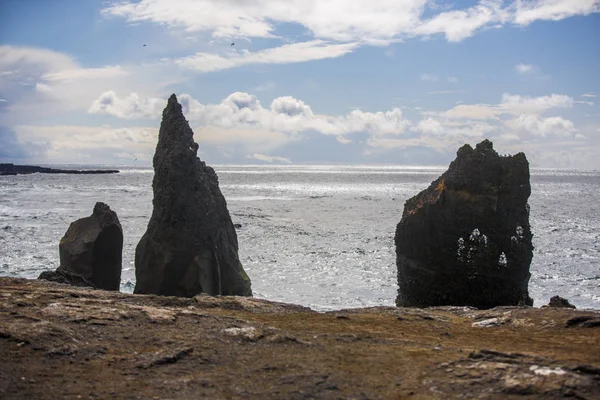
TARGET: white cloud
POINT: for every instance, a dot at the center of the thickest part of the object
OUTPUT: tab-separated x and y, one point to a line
445	128
240	123
240	127
336	27
290	106
85	73
439	144
516	104
244	111
3	101
12	60
43	88
376	22
536	125
345	21
130	107
452	79
429	77
223	19
514	119
82	144
430	126
471	111
589	103
51	82
240	140
270	159
528	11
286	54
524	68
530	71
510	105
592	95
458	25
509	137
85	144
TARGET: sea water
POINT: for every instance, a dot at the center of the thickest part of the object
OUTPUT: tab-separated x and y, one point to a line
320	235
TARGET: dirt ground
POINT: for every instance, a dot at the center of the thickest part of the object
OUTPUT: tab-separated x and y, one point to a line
58	341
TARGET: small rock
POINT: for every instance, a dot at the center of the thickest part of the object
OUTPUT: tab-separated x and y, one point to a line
248	332
168	356
584	321
546	371
486	323
559	302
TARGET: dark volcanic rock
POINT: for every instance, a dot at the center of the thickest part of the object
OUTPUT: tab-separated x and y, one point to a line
190	246
7	169
11	169
557	301
91	251
466	239
62	275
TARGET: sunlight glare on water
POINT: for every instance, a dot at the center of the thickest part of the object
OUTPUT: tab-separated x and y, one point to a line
320	235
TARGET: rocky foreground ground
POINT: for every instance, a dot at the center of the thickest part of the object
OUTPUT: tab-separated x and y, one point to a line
58	341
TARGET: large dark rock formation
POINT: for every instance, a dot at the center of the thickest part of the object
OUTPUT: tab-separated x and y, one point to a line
11	169
466	239
91	251
190	245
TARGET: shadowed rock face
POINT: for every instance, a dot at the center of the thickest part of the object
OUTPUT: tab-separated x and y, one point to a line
466	239
91	252
190	246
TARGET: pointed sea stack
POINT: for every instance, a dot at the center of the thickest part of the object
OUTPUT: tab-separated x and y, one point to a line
190	246
466	239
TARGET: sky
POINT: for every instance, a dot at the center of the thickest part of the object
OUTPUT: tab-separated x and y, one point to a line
402	82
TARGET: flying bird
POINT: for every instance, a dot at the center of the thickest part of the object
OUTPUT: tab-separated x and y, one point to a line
144	46
232	43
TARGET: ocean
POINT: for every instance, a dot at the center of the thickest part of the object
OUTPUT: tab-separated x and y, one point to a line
317	235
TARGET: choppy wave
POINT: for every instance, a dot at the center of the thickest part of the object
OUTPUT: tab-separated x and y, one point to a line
322	238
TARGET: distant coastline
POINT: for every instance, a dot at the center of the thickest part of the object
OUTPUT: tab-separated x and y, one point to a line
11	169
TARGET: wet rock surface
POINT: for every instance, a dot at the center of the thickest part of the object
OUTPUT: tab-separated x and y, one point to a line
190	246
91	251
59	341
466	239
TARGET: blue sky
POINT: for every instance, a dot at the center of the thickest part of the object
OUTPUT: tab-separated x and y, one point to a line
338	81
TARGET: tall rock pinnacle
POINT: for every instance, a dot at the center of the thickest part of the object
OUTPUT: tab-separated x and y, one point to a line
466	239
190	245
